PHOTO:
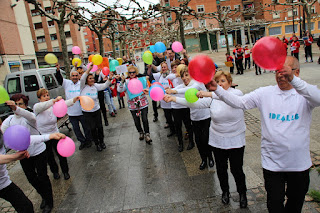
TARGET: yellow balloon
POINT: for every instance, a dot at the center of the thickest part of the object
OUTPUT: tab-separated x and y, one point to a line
148	51
51	58
120	60
97	59
76	60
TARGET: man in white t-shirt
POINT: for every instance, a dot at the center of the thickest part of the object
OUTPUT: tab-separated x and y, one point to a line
285	133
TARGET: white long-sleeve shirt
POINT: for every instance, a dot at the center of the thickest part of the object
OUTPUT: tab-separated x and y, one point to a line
227	127
27	119
285	122
92	91
165	83
72	90
46	120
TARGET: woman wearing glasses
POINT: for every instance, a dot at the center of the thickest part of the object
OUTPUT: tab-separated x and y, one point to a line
138	106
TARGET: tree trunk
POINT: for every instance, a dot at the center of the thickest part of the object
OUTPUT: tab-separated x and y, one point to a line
249	36
101	46
181	27
64	48
113	42
226	36
308	12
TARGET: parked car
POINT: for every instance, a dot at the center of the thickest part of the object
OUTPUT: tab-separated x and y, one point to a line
30	81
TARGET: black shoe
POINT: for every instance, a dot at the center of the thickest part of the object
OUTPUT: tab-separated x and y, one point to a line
106	123
47	209
203	165
99	148
166	126
211	163
43	204
66	176
225	197
155	119
56	176
180	148
190	145
103	145
88	144
82	146
170	134
243	200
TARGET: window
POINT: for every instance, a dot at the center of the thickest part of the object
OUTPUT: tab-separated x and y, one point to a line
50	23
41	39
202	23
48	9
200	8
275	31
31	83
56	49
237	7
295	13
147	42
53	37
68	34
35	12
49	81
144	24
14	85
85	33
188	25
312	26
169	17
86	40
38	25
288	28
69	47
313	9
28	64
275	15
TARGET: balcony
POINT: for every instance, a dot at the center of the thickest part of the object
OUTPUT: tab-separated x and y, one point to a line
244	2
248	13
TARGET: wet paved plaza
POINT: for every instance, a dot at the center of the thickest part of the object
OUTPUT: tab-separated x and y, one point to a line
132	176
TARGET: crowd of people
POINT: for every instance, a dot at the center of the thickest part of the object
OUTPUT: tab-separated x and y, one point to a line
215	123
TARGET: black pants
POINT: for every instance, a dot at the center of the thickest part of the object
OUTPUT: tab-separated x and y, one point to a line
94	121
201	135
180	115
137	122
296	55
102	105
169	120
308	52
52	147
247	62
231	69
239	65
297	187
120	99
235	157
258	69
35	169
17	198
155	108
75	120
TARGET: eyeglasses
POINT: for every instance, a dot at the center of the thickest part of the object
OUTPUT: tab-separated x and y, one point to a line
132	72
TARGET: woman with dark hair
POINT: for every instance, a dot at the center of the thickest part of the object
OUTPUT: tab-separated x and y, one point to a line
88	87
185	61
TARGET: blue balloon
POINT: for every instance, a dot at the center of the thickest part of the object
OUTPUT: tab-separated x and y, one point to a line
160	47
152	49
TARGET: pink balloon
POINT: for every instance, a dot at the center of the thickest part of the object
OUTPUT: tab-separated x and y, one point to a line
60	108
135	86
177	46
269	53
76	50
156	93
106	71
66	147
94	68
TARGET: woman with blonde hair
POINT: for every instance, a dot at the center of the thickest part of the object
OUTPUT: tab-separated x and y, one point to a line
226	136
138	105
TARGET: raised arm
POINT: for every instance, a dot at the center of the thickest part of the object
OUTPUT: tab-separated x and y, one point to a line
58	74
42	106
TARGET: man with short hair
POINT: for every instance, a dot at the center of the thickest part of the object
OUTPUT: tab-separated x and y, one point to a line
285	128
72	90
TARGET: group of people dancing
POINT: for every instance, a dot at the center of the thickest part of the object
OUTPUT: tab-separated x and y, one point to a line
215	122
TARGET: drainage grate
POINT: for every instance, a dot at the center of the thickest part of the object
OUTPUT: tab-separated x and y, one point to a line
253	124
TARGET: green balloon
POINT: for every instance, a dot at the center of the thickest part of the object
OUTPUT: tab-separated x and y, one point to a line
191	95
147	58
3	95
113	64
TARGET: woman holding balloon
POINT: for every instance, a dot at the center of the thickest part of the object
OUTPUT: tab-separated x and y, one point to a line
138	105
88	87
47	124
226	136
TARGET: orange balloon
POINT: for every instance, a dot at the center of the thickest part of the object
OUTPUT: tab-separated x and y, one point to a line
90	58
86	103
105	63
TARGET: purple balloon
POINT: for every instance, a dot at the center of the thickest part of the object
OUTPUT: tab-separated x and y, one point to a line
17	137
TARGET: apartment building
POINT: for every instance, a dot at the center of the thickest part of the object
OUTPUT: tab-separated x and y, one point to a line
17	52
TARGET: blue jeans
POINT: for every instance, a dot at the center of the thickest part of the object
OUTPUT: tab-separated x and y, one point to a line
109	102
74	120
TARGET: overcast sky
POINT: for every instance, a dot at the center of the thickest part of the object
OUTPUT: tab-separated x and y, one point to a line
143	3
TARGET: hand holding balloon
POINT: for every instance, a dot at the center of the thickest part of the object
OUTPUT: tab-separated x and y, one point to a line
169	98
75	99
66	147
12	105
57	99
212	85
171	91
202	94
